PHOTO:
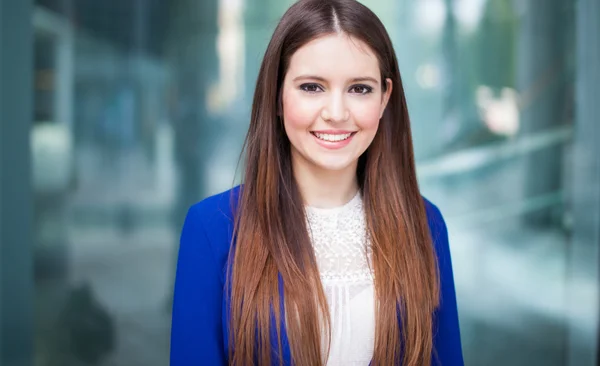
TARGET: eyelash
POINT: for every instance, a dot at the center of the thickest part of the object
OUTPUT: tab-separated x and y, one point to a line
366	89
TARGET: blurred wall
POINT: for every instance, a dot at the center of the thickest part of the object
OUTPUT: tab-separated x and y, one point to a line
16	252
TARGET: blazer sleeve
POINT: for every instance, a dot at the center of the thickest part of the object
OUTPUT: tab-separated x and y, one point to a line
447	344
196	328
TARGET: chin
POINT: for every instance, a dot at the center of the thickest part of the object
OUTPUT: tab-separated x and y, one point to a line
334	165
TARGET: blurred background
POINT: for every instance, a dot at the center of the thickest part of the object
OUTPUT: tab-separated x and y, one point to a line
117	115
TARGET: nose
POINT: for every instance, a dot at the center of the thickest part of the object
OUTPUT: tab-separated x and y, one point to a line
335	109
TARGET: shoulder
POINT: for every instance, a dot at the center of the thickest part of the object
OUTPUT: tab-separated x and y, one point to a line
438	231
218	209
212	221
435	219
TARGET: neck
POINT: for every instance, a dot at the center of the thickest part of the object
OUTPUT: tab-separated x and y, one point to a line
325	188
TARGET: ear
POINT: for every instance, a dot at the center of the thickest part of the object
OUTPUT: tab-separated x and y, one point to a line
386	95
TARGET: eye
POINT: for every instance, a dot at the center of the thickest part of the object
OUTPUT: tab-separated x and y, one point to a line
311	88
361	89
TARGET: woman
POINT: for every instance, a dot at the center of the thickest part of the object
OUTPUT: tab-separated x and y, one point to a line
327	254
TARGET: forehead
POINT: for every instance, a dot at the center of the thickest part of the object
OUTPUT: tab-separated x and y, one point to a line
335	56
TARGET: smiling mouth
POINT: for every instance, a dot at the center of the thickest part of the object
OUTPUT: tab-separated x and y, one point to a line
333	137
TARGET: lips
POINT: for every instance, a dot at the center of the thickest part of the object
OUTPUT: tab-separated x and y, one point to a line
333	139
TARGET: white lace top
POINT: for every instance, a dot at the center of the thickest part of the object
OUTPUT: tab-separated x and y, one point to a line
340	242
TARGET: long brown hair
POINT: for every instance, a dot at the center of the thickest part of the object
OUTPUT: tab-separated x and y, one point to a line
272	251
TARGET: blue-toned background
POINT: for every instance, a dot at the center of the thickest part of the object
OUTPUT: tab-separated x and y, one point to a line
117	115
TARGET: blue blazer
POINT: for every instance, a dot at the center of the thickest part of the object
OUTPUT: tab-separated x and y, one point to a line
199	332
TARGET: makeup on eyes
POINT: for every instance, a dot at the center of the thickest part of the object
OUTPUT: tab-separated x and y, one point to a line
315	88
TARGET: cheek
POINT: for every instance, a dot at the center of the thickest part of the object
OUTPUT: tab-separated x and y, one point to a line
298	113
367	116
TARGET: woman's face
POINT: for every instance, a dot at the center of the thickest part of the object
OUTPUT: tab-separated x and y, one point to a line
332	102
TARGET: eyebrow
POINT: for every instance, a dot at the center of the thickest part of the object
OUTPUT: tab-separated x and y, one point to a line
355	80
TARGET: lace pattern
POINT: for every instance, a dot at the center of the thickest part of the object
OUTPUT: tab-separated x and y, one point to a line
343	253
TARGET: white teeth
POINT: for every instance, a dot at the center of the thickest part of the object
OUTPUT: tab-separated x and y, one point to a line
332	138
